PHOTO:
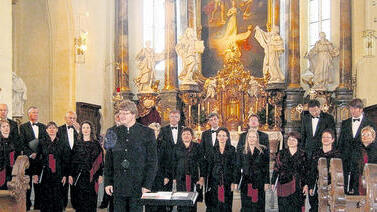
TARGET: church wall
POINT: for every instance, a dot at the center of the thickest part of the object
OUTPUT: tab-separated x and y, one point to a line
94	78
363	67
6	53
32	56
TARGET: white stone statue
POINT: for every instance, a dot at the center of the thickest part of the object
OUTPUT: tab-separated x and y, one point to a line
146	61
321	58
19	95
273	46
189	49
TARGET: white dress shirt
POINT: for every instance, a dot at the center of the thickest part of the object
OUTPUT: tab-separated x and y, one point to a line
175	134
314	124
35	130
71	139
213	137
356	125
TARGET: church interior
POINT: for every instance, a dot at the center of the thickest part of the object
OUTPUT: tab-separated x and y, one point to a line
232	57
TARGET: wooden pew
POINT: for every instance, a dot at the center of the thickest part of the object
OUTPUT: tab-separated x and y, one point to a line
14	199
333	197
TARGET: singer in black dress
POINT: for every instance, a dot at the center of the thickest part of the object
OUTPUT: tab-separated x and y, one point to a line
363	154
86	170
7	154
52	174
327	151
188	159
254	161
290	171
222	175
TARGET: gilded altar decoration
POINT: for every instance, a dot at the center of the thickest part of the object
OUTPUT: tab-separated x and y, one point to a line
146	61
189	49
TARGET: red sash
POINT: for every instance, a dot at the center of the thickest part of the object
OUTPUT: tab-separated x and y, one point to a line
96	165
2	177
188	183
52	163
286	189
11	159
221	193
252	192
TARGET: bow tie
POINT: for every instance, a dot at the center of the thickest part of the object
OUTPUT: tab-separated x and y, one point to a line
315	117
174	128
213	131
71	127
358	119
35	124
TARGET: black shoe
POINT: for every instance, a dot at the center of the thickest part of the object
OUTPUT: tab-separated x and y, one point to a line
103	205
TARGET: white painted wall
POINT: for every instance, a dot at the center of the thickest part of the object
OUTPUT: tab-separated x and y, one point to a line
6	53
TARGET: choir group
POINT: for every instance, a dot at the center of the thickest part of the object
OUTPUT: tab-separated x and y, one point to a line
141	159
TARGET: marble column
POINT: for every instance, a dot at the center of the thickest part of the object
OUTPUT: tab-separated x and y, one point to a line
343	94
121	49
168	95
294	92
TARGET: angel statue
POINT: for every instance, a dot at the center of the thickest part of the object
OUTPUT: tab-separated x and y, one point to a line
146	60
273	46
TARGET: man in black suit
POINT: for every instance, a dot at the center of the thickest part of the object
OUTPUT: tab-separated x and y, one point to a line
30	134
207	143
350	141
209	136
253	125
131	161
13	128
313	123
68	134
171	135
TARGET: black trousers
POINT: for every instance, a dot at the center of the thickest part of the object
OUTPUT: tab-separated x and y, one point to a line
127	204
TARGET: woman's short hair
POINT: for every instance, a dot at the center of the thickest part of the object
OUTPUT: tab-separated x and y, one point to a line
370	129
329	131
187	129
296	135
51	123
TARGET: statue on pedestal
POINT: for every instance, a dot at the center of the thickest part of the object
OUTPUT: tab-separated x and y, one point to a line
19	95
321	58
189	49
273	46
146	60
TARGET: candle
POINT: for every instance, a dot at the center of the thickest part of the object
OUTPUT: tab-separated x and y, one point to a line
189	118
199	115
